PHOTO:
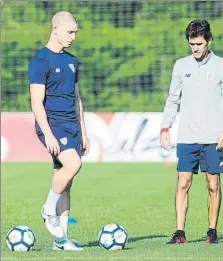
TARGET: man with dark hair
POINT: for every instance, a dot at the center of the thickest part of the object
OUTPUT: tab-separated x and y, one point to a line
197	86
199	28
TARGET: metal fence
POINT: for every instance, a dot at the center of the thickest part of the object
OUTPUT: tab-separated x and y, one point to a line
126	49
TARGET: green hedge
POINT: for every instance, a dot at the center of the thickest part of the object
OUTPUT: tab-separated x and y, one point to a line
126	49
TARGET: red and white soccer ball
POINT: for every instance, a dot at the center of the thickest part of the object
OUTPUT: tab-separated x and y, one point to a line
113	237
20	238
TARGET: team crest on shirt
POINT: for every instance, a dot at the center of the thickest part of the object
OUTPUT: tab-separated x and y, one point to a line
210	76
72	67
64	140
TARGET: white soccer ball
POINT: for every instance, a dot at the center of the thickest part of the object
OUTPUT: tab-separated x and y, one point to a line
20	238
113	237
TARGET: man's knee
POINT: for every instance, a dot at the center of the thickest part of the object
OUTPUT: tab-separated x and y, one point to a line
213	182
72	168
183	186
184	182
71	162
213	186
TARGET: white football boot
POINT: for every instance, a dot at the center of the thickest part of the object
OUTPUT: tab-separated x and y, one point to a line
52	223
67	245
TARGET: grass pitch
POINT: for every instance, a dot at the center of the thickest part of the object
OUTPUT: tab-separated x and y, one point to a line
139	196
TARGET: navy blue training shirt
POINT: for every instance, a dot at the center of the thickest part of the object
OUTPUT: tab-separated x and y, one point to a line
59	73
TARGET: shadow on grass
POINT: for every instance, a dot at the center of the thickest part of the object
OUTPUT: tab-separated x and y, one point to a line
130	240
202	239
134	239
36	250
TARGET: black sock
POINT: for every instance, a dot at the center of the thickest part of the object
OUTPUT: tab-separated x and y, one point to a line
212	230
180	232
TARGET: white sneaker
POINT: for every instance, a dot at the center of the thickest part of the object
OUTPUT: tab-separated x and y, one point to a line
52	223
67	245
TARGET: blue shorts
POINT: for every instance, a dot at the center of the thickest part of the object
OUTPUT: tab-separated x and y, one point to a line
68	137
191	156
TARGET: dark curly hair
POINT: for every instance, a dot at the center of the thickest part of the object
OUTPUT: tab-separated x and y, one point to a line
199	28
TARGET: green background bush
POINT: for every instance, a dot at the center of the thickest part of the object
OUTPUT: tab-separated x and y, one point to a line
126	49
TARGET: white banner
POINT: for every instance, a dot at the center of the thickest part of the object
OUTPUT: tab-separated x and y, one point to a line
128	137
114	137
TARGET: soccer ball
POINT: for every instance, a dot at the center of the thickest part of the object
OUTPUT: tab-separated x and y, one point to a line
20	238
113	237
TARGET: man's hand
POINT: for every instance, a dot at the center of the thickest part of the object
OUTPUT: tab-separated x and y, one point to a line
85	144
220	141
165	140
52	144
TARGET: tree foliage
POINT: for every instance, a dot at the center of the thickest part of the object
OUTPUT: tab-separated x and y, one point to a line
126	49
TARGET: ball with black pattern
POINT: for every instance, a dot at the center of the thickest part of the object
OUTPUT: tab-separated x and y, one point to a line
113	237
20	238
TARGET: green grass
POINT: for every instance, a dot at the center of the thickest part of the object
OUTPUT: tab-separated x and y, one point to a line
140	197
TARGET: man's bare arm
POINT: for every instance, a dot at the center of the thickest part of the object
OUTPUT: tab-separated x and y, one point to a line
80	114
37	93
79	109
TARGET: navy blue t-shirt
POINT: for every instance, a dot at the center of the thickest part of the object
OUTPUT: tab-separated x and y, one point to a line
59	73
